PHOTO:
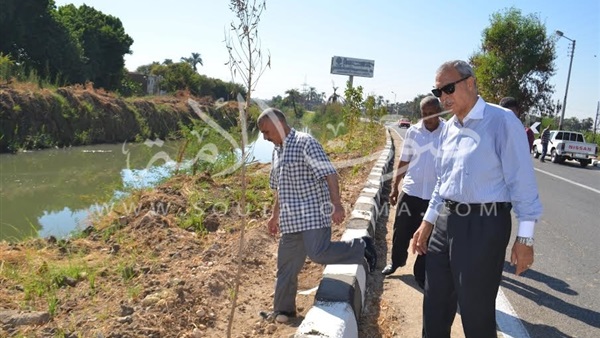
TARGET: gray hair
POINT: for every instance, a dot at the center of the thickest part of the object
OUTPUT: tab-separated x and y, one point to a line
430	100
462	67
271	114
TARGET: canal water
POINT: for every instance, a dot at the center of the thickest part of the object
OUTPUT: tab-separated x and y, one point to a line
52	192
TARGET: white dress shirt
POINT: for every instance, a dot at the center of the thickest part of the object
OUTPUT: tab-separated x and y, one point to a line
483	161
420	150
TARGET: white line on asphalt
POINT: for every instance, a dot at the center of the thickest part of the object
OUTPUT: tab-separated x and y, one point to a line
507	319
567	180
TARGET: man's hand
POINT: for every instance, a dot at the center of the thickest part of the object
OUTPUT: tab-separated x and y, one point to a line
273	226
522	257
394	195
338	213
419	240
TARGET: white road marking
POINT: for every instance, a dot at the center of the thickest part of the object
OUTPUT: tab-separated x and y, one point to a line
507	319
568	180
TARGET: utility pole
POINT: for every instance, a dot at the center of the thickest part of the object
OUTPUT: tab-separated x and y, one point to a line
596	121
562	115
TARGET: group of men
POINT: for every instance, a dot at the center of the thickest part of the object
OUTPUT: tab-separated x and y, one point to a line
461	178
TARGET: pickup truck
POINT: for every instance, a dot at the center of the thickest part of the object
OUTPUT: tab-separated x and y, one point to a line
566	145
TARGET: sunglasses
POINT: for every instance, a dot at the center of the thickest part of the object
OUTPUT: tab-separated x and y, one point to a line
449	88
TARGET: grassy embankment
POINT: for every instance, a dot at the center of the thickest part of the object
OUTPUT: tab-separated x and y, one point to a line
41	274
32	118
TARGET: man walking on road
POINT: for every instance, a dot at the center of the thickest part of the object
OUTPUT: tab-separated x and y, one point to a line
483	170
418	155
307	198
545	140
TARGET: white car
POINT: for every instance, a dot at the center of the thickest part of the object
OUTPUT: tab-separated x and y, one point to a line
566	145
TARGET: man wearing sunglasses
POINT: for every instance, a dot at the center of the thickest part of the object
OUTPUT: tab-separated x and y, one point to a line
483	171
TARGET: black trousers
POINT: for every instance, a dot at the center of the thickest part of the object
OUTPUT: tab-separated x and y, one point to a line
465	258
409	214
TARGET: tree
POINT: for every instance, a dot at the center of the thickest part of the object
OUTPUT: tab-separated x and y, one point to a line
194	60
293	96
516	59
103	41
245	60
36	41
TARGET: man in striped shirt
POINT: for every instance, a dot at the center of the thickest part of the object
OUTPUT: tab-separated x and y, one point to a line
307	198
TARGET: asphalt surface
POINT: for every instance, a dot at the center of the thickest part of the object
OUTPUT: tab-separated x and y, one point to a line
560	295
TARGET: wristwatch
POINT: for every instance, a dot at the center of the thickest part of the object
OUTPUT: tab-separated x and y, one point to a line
528	241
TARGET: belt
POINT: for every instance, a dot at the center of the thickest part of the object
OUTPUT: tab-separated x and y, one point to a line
467	208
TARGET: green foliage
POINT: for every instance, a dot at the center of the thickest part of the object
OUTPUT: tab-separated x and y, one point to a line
129	88
182	76
353	107
193	61
373	112
516	59
207	148
37	41
593	138
7	67
43	280
63	46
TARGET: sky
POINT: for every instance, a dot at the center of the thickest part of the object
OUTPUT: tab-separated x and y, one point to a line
408	40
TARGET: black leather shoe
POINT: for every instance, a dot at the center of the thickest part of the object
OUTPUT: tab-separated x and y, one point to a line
388	270
370	253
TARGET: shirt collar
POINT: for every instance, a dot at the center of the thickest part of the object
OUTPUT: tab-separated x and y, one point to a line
476	113
419	125
290	136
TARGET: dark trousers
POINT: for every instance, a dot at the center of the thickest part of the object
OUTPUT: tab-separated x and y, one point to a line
544	151
465	258
409	214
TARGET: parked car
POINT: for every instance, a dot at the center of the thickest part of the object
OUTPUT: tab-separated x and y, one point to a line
404	123
566	145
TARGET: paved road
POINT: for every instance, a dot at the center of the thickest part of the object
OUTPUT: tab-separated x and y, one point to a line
560	295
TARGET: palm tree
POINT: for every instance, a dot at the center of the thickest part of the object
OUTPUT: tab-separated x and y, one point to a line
193	60
292	96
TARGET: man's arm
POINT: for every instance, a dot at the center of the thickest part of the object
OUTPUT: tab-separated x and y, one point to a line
334	195
400	172
407	152
273	222
522	186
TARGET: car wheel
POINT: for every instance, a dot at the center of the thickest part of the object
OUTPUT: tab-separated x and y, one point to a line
554	157
536	154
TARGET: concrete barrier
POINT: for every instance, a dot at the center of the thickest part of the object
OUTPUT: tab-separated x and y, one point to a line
340	296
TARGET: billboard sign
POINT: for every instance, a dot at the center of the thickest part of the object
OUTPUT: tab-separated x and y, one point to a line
348	66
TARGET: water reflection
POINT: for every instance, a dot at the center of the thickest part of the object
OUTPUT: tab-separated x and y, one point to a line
52	192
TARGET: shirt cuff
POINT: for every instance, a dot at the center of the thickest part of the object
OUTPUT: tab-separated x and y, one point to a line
431	215
526	229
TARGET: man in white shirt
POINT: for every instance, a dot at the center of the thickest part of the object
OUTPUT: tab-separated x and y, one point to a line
418	155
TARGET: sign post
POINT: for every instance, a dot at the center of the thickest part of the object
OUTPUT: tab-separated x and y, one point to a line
352	67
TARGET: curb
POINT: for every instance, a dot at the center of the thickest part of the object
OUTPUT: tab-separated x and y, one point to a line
340	296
